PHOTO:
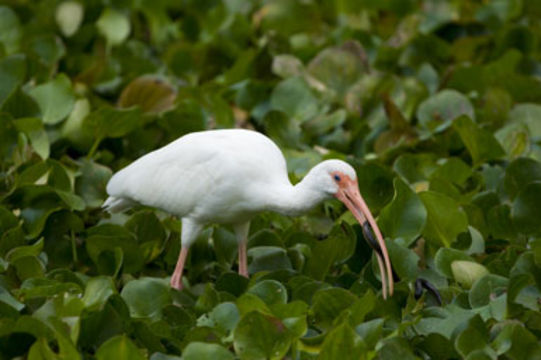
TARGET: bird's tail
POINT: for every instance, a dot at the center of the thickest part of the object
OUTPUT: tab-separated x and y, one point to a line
114	204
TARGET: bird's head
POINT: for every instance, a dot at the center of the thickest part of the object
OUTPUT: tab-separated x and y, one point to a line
338	179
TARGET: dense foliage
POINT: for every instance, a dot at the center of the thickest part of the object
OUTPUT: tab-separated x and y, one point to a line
436	103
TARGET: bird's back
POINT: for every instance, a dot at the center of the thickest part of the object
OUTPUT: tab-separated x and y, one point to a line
216	169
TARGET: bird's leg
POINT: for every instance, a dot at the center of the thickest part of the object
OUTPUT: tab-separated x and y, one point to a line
190	230
241	231
176	278
243	262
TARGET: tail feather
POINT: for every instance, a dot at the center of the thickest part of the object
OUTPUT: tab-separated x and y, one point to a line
114	204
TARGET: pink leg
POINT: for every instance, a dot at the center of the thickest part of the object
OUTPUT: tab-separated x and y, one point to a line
176	278
243	262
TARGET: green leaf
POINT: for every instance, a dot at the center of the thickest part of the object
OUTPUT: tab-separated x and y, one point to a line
203	351
481	144
72	128
405	216
146	297
110	122
33	128
438	111
294	97
342	343
114	26
108	238
10	30
327	305
526	211
404	260
336	248
520	173
474	337
270	291
528	115
149	232
69	16
467	272
12	73
485	289
445	219
445	257
516	342
55	99
119	348
97	292
267	258
259	336
23	251
339	67
151	93
91	183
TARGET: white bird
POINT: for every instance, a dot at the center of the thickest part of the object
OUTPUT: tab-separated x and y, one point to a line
229	176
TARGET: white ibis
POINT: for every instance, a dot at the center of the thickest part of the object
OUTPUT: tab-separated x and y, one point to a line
227	177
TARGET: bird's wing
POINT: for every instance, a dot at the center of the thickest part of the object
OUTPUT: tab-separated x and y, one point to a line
178	177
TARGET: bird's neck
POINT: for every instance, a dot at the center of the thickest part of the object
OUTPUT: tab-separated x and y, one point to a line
294	200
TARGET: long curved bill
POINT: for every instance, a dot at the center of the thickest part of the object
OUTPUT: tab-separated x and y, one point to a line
349	194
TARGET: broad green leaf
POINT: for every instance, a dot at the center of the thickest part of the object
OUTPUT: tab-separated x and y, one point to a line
327	305
267	258
397	348
225	316
527	114
466	273
97	292
337	248
38	287
55	99
474	337
339	67
23	251
294	97
405	215
415	168
146	297
33	128
69	16
370	332
445	257
151	93
110	122
445	219
481	144
205	351
106	239
91	183
72	128
10	30
341	343
149	232
404	260
270	291
119	348
114	26
516	342
12	73
437	113
485	289
259	336
520	173
286	65
526	211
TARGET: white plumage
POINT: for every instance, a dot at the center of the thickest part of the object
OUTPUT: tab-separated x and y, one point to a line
227	177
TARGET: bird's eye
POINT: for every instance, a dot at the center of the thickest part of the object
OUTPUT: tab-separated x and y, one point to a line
337	177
